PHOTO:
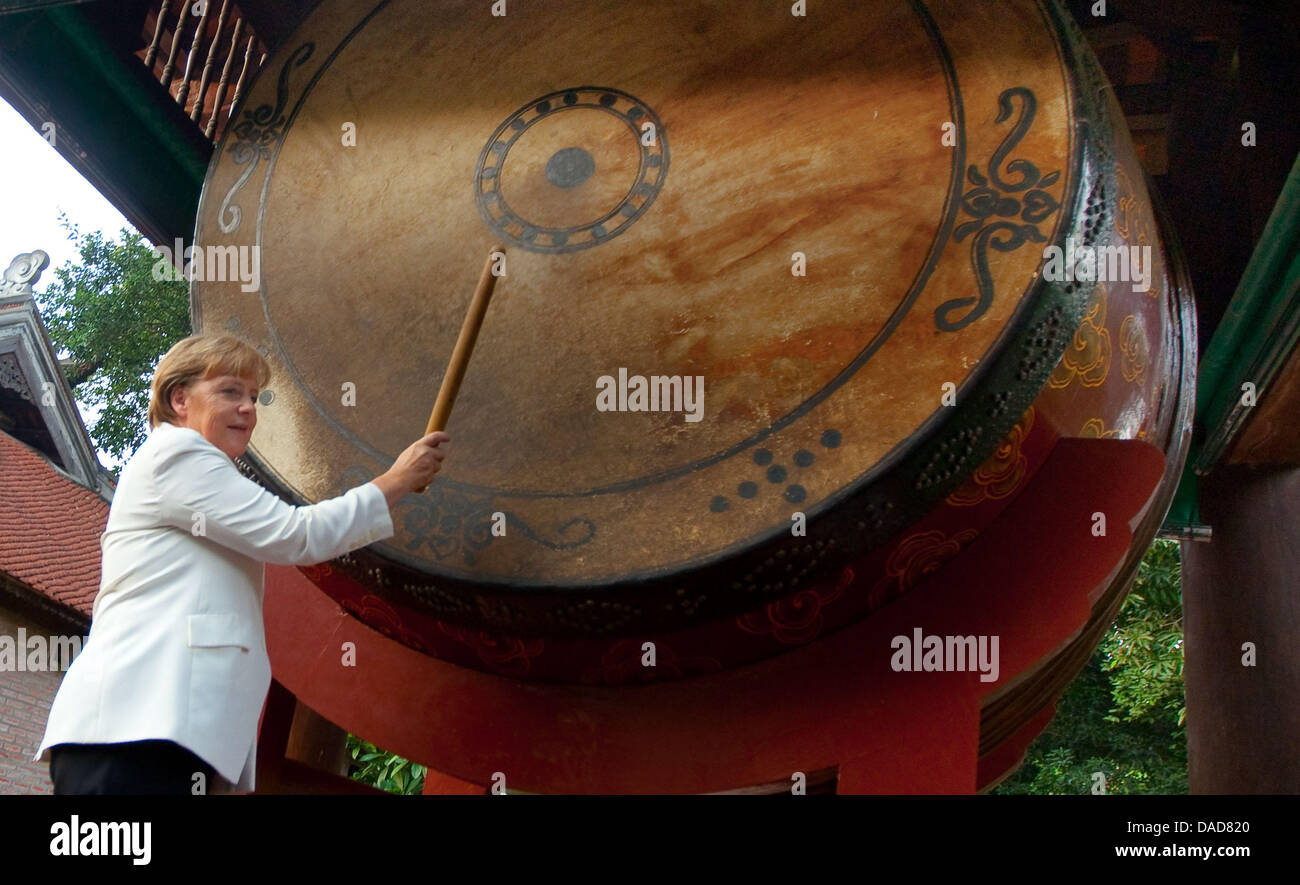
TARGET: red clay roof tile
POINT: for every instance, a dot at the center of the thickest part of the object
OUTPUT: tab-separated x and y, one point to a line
49	528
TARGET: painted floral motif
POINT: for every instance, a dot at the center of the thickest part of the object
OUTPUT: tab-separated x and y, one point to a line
796	619
504	654
450	523
1002	473
1088	356
455	524
622	663
1131	220
316	573
1005	213
916	557
1095	428
256	134
379	615
1133	348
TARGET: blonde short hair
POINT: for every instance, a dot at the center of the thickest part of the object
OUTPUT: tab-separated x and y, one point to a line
197	358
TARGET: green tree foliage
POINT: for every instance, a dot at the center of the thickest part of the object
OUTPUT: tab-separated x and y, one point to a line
114	321
384	770
1144	650
1124	715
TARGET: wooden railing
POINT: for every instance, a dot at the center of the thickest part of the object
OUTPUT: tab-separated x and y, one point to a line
195	48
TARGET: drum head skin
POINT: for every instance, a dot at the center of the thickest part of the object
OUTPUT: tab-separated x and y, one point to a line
772	283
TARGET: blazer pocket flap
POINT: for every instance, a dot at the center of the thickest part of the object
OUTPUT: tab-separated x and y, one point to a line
218	629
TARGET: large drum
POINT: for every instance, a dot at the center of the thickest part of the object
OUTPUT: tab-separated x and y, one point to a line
796	303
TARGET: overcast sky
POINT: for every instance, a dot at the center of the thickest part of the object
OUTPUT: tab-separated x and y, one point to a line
36	184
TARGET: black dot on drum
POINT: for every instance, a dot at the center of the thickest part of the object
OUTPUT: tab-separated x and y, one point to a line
635	113
543	107
500	147
762	457
803	458
831	439
569	167
629	210
570	98
776	473
718	504
747	489
795	494
608	100
598	231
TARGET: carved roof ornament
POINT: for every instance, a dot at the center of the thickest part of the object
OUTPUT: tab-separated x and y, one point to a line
22	274
43	414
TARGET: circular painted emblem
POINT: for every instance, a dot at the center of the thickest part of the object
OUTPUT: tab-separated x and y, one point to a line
571	170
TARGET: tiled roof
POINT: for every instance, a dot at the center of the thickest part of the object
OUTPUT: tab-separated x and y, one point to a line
49	528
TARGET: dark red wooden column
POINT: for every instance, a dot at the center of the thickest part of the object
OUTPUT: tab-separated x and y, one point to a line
1243	723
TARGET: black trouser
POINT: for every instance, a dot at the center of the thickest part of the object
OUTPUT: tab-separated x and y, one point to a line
137	768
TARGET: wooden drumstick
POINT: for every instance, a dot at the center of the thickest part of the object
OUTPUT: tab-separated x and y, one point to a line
464	347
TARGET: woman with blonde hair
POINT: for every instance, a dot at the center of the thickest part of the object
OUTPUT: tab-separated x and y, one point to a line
166	694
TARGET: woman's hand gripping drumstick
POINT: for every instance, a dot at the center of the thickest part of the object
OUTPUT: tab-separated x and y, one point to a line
414	469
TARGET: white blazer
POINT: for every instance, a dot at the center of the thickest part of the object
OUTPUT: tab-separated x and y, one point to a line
177	649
